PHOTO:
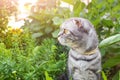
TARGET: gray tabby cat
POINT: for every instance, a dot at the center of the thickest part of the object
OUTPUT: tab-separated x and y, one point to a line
84	61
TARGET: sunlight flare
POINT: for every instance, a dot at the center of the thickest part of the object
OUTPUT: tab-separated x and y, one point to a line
23	11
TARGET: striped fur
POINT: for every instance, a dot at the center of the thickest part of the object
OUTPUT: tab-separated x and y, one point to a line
84	61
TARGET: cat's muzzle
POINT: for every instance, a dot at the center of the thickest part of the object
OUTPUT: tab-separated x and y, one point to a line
61	40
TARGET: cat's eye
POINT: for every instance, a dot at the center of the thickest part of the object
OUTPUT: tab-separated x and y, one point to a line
66	31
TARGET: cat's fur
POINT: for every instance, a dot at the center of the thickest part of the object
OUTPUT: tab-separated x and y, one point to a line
84	61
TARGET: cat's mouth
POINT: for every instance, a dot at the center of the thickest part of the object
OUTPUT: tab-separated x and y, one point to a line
65	42
61	40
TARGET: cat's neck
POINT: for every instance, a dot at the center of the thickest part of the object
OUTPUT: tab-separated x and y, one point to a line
78	50
84	51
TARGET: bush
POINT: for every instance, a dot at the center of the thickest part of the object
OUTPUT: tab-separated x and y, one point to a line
45	22
23	58
7	8
14	63
47	57
30	62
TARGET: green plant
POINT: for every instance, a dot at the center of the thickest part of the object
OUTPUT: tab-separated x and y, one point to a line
47	76
14	60
48	58
7	7
45	22
30	62
22	58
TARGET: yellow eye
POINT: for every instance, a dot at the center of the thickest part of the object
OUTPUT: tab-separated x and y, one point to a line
66	31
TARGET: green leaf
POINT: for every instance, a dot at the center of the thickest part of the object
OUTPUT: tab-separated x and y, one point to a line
100	5
116	76
111	1
102	50
36	49
107	23
2	45
47	76
104	76
69	1
78	7
48	29
112	62
110	40
57	21
116	8
55	33
53	48
96	21
36	35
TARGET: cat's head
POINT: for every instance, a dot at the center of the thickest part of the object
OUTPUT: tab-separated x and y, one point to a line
78	33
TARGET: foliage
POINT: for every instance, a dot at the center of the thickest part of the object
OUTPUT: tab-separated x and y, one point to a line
14	63
110	40
47	76
112	61
24	58
46	22
7	7
117	76
48	58
104	76
30	62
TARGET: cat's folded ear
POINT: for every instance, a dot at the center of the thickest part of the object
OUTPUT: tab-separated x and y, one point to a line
80	26
78	23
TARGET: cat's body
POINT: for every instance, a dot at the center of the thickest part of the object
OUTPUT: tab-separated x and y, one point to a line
84	67
84	61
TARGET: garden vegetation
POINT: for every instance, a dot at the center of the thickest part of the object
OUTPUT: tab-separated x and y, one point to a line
32	52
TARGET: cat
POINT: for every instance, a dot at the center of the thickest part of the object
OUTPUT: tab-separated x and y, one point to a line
84	59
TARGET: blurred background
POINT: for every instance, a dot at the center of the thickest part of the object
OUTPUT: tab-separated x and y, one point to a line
29	49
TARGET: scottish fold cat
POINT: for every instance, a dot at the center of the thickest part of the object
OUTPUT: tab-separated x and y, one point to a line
84	61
